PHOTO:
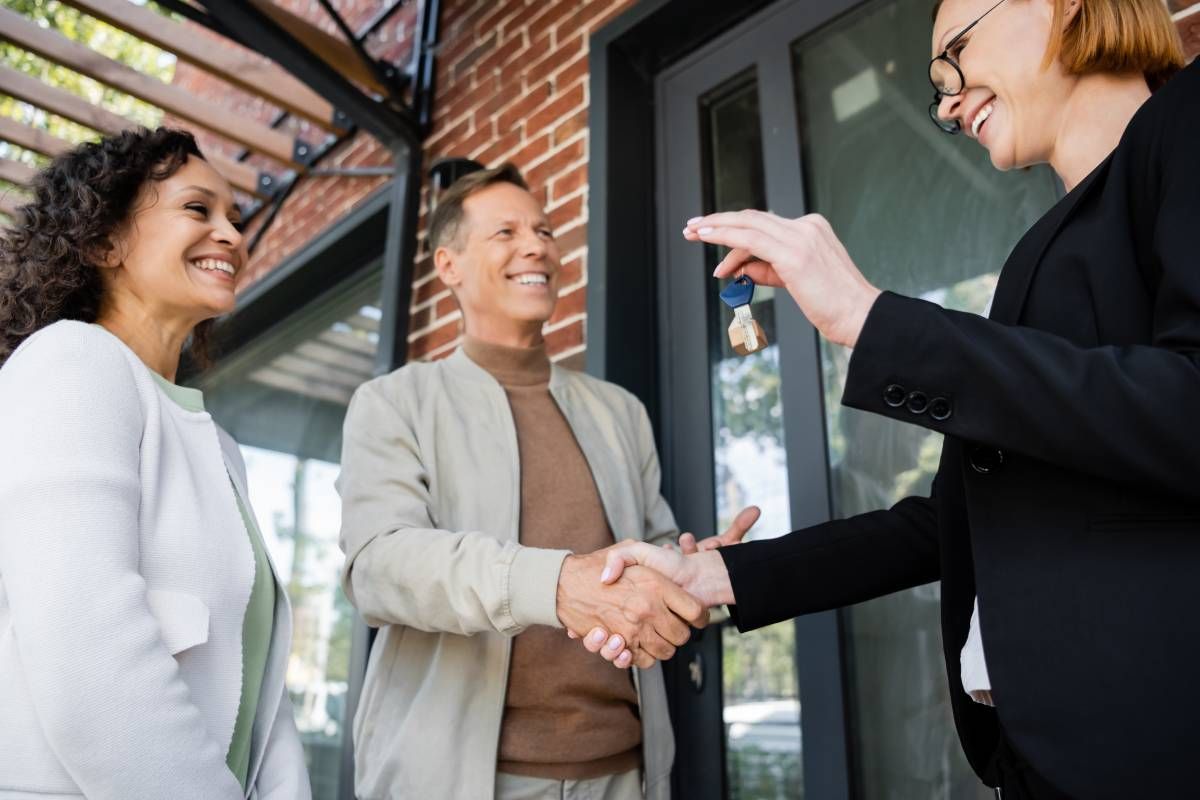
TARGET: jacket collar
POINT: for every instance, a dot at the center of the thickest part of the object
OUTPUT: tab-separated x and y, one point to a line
460	365
1017	276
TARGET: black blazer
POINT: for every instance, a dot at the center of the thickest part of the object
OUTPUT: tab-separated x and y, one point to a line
1068	495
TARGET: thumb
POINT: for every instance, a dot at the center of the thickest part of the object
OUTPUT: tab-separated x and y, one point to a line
687	543
626	554
740	526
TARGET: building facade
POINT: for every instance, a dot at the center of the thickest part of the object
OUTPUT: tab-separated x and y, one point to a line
628	117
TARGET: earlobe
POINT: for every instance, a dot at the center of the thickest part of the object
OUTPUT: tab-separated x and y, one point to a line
444	266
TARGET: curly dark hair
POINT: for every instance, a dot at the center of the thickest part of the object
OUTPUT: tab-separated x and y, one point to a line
49	259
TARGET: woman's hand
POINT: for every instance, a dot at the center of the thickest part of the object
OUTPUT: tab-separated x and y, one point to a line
801	255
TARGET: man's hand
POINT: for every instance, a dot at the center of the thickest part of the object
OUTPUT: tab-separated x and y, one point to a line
710	581
650	613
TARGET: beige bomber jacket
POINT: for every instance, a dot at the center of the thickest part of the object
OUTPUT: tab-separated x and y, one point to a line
430	488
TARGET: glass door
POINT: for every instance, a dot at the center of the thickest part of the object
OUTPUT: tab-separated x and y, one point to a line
817	107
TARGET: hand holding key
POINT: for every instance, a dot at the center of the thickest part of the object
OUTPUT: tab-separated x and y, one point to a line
746	336
802	255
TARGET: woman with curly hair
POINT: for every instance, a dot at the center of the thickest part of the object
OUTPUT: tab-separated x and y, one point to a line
143	633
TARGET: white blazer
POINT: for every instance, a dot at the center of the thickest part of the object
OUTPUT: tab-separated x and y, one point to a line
125	572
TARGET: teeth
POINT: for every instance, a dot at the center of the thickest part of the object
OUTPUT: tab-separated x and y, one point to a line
981	118
214	264
532	280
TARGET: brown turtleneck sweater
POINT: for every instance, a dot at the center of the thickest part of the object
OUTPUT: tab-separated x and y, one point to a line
568	715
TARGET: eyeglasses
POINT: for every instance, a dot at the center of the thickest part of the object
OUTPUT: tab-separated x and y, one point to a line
947	77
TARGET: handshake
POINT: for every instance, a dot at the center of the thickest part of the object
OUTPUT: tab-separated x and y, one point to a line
634	603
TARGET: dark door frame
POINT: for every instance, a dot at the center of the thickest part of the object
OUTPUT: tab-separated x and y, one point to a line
628	327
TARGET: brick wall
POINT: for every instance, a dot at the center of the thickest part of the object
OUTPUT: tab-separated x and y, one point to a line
512	84
1187	17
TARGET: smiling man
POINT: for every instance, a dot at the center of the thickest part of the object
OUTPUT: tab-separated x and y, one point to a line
468	485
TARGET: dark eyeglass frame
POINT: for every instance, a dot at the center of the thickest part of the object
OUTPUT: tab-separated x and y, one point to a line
953	126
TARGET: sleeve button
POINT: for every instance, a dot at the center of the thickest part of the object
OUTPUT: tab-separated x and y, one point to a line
940	409
917	402
895	395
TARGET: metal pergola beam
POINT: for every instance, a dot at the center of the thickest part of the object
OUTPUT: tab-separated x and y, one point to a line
73	107
335	52
251	74
392	126
27	34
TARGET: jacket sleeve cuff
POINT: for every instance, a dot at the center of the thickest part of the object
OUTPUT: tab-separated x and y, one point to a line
533	586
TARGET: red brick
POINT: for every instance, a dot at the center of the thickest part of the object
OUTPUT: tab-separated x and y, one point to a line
556	109
463	65
554	13
571	126
571	272
570	305
565	338
575	71
546	60
516	113
433	340
445	307
562	158
567	212
532	151
572	240
515	47
569	182
427	291
499	149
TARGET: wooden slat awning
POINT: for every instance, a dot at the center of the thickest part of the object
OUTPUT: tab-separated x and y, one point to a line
328	83
16	172
75	108
26	33
239	68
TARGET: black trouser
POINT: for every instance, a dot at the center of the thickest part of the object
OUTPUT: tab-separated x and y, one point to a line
1017	780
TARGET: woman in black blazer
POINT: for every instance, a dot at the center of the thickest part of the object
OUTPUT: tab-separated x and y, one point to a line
1068	496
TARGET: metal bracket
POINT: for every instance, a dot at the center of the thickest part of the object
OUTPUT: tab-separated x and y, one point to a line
302	152
341	121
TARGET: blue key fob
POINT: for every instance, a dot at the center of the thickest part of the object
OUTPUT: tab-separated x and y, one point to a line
739	292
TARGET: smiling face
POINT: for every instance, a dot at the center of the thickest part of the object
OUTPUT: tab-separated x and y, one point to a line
1010	104
177	258
503	265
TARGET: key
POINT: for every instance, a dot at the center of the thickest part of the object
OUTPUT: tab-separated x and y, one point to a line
746	336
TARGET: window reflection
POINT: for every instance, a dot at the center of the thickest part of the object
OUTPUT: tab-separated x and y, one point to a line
761	701
283	398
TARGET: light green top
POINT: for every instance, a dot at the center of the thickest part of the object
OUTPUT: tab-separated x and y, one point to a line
260	612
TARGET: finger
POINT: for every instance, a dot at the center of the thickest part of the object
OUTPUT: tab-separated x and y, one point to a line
687	543
687	608
761	272
624	660
572	635
751	219
741	525
626	554
643	660
755	242
657	646
595	640
613	648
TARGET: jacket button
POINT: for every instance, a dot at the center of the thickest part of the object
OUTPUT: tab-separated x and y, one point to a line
917	402
985	460
940	409
895	395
